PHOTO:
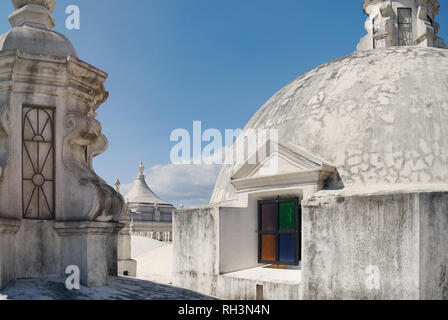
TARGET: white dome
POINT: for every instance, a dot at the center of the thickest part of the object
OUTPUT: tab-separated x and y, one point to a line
379	116
142	194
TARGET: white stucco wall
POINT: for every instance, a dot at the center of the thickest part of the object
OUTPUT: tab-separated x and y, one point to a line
210	243
401	233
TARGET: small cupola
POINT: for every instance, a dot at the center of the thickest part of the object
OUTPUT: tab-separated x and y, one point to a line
32	33
401	23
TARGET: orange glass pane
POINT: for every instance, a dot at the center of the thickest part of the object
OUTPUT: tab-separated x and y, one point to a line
268	247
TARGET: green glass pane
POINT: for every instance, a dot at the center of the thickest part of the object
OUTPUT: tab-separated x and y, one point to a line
286	215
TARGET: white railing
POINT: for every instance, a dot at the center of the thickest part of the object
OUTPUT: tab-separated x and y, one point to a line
155	235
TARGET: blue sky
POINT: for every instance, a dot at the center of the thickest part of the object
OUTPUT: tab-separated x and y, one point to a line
171	62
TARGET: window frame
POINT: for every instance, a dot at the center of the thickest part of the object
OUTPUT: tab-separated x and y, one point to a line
401	24
375	24
52	121
297	231
375	30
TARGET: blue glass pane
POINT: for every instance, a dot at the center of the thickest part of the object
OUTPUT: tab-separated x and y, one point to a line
287	245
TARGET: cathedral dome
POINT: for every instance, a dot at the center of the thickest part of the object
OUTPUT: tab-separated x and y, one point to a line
379	116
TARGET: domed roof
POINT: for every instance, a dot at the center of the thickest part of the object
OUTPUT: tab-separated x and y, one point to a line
37	41
142	194
379	116
31	33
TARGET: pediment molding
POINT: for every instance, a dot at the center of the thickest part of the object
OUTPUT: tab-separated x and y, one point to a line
284	165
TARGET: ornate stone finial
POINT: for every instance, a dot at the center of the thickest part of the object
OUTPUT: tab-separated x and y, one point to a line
33	13
117	185
141	170
49	4
392	23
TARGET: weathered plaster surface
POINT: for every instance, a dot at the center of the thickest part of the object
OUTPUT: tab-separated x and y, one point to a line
276	284
434	246
35	256
215	251
403	234
4	138
379	116
382	24
196	260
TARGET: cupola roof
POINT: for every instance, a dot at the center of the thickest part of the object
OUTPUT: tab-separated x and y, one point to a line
31	30
141	193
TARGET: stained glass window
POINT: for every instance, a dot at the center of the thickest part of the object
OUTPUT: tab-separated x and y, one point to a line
279	232
268	216
287	247
287	215
268	247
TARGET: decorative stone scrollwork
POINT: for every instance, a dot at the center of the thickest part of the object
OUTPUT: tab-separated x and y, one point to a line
84	141
82	130
4	138
96	148
100	96
4	118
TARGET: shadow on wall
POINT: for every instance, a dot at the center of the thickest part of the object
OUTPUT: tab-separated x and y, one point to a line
334	182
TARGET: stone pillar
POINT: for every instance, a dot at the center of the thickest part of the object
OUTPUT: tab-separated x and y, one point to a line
91	246
54	210
8	230
126	265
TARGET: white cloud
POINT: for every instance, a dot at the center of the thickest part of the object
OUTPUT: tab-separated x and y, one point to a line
125	188
190	184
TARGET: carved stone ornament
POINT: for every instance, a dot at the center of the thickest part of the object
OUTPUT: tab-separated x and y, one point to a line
49	4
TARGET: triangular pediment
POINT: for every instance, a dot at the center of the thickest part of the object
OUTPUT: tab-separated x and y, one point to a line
278	159
280	164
